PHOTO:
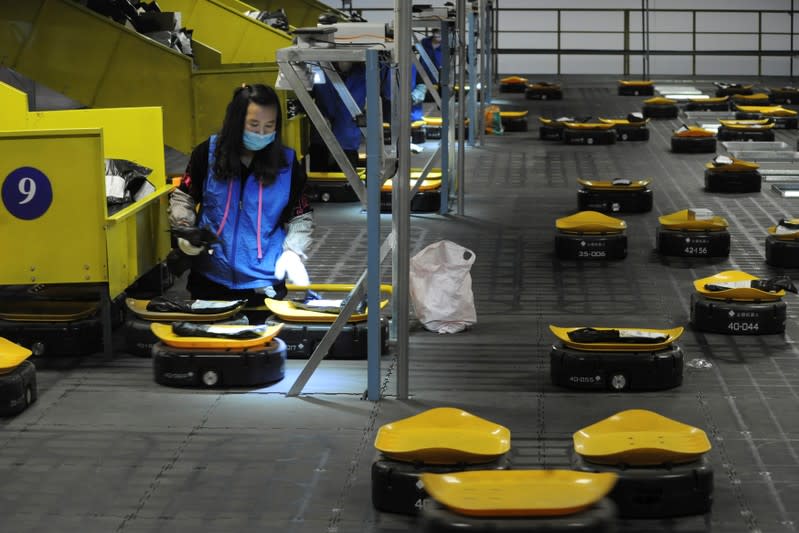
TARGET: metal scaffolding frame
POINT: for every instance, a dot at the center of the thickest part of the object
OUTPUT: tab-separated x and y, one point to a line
293	61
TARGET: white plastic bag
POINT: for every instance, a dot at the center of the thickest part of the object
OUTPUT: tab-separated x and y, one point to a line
441	287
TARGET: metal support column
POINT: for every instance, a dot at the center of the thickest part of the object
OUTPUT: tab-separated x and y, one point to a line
374	148
400	200
446	96
459	175
645	38
471	29
485	83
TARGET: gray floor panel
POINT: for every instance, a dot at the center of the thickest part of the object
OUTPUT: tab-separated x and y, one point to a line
107	449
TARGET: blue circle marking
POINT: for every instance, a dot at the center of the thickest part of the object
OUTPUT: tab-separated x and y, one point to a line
27	193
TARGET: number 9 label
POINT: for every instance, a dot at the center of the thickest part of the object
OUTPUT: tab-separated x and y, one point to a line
27	193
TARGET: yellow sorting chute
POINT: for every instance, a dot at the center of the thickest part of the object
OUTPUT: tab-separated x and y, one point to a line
590	222
518	492
167	336
742	292
139	307
11	355
443	435
638	437
670	336
682	221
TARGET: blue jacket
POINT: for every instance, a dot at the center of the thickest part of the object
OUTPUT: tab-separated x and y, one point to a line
246	216
416	109
435	54
329	102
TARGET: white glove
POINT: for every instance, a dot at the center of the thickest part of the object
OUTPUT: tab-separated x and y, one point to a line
418	93
289	265
188	248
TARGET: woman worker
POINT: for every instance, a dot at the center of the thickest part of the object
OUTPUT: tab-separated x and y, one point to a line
249	188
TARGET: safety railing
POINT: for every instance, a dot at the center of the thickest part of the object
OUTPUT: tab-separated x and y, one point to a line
690	42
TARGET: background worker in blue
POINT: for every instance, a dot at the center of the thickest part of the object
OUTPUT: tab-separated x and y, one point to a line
432	46
341	121
418	92
249	188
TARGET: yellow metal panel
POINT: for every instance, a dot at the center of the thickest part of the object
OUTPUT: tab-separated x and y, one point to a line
138	239
296	134
14	104
213	89
145	73
99	63
241	7
69	49
134	134
66	244
239	38
16	22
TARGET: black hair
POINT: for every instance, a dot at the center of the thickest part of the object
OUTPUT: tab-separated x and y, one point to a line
229	144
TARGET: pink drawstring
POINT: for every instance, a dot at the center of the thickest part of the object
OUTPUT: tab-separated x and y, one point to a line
227	207
260	199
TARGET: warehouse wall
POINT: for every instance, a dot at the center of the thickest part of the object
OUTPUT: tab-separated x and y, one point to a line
733	28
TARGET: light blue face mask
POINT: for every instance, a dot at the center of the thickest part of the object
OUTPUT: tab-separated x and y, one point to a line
255	141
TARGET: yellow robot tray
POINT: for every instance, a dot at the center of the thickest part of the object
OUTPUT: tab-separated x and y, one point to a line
588	125
443	435
513	114
636	83
711	100
737	165
139	307
11	355
751	98
543	85
288	312
426	185
551	122
513	80
47	310
741	292
438	121
785	235
693	131
670	336
603	185
745	124
590	222
624	122
518	492
769	110
681	220
659	100
334	176
638	437
165	334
